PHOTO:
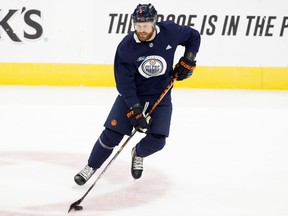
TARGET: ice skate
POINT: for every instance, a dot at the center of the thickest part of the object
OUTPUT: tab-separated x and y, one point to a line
137	165
84	175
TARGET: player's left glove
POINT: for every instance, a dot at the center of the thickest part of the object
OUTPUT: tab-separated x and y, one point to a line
183	69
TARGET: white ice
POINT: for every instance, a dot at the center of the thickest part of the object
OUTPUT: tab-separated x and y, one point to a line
226	155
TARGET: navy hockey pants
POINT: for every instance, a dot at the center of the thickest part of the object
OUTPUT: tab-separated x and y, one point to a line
117	125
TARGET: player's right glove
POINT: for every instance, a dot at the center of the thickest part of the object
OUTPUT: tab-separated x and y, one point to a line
183	69
138	119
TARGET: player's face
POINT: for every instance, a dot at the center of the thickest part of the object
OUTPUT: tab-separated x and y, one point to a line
144	30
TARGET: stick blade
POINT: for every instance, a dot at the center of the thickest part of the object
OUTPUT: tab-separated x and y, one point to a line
73	205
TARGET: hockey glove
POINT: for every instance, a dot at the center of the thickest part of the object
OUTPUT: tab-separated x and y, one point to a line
138	119
183	69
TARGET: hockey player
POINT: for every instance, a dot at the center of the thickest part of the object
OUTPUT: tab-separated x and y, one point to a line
143	67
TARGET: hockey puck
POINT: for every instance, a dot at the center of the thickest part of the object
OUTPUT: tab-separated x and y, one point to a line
78	208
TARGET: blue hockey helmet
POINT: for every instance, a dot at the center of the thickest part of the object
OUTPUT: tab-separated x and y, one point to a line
144	13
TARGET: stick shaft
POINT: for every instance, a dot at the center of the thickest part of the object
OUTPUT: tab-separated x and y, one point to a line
169	86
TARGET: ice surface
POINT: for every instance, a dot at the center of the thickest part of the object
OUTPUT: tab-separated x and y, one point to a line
226	155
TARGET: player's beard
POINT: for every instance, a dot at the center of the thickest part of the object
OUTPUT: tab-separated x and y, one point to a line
144	36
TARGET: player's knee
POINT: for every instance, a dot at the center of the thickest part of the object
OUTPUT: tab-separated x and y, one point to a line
150	144
156	142
159	141
110	138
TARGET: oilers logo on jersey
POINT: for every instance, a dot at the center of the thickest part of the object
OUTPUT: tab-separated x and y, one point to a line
152	66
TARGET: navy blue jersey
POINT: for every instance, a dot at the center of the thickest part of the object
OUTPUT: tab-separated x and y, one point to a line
142	69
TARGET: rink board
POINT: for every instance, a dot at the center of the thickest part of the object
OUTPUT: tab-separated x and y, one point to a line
102	75
55	43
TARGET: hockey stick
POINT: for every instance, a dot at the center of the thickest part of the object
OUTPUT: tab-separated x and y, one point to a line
76	205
